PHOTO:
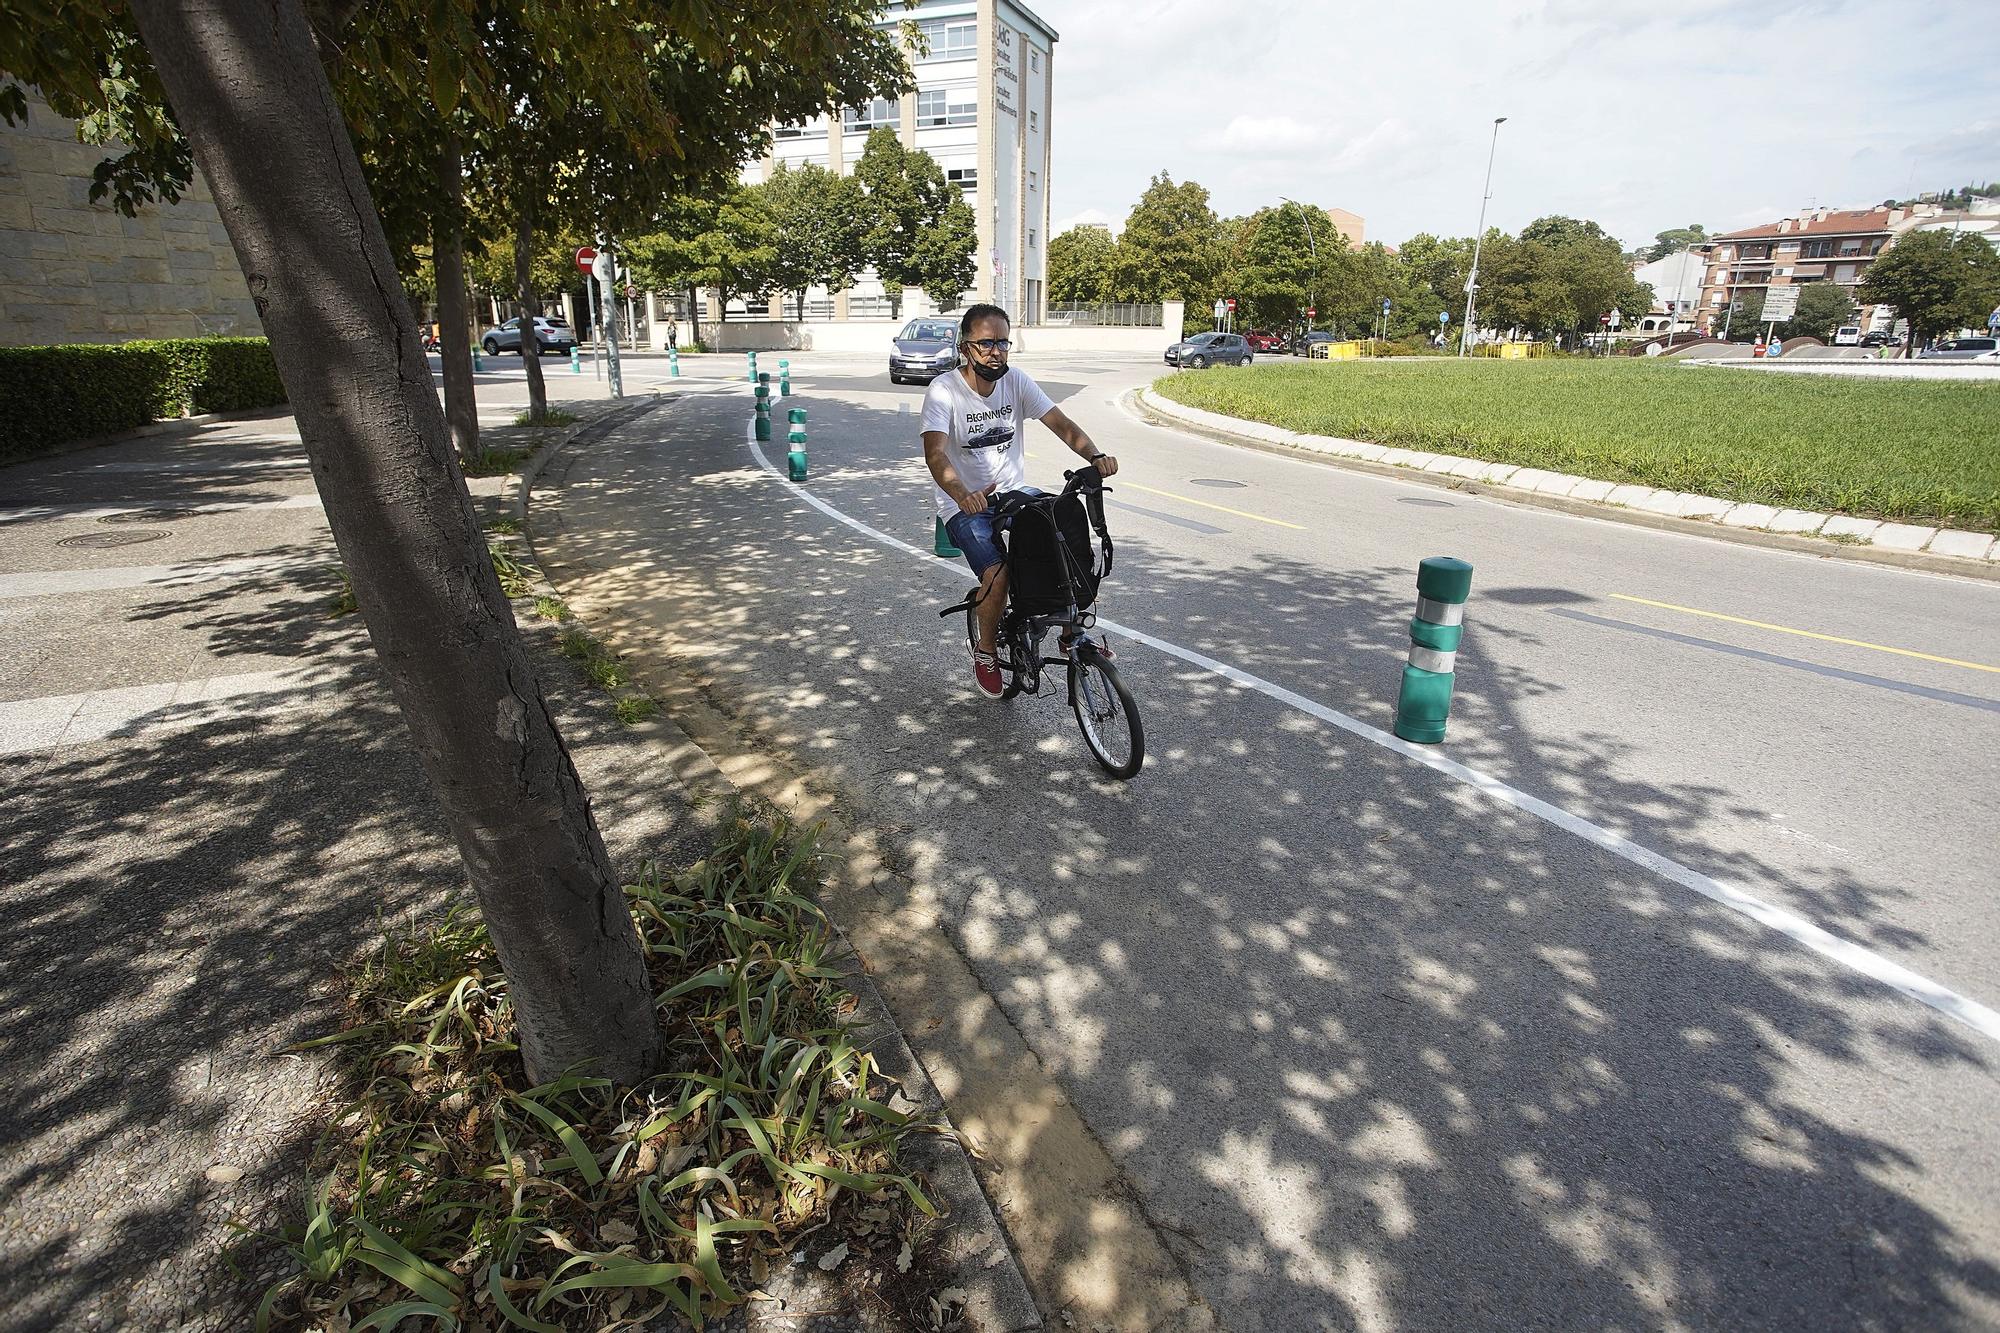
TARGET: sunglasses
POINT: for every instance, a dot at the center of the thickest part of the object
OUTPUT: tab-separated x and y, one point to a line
990	344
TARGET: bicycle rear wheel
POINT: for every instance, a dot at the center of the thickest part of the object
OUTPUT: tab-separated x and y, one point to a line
1106	715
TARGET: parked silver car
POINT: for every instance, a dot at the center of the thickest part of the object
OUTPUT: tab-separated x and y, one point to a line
552	334
1208	349
1962	349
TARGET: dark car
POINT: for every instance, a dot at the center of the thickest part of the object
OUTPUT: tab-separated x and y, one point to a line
1878	338
1313	343
1207	349
551	335
924	350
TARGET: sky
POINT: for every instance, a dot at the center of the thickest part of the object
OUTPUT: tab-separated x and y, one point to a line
1637	116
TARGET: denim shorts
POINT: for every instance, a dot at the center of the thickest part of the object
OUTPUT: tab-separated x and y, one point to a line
973	534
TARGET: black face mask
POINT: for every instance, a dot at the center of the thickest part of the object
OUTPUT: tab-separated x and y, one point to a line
991	374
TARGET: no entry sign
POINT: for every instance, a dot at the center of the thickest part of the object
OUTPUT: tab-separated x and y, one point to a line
585	257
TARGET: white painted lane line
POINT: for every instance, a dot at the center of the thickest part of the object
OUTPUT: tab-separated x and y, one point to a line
1966	1010
62	720
55	582
36	513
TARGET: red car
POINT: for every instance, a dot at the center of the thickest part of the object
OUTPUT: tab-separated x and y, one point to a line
1265	342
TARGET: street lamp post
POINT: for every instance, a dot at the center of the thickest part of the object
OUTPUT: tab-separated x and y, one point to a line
1312	288
1478	240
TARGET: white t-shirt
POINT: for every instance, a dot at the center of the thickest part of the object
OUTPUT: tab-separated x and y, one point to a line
983	435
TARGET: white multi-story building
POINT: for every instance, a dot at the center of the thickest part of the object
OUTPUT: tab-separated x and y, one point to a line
981	108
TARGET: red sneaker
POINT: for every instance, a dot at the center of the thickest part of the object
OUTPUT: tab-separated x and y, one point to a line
986	674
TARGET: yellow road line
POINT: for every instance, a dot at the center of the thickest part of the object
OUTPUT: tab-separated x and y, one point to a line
1190	500
1808	634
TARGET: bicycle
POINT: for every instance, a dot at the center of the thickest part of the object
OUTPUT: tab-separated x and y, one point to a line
1105	711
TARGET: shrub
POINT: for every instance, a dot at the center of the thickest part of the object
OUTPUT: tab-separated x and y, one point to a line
51	396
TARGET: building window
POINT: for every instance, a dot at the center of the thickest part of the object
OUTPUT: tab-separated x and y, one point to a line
949	39
946	106
1034	59
1816	250
1033	180
1034	121
798	131
1031	238
878	113
965	178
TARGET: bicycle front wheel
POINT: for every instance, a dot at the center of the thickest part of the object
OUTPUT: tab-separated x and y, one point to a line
1106	715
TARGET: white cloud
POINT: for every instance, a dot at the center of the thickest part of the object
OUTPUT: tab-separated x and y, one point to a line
1273	135
1641	119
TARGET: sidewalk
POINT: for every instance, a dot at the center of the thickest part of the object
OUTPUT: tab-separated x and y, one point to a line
209	805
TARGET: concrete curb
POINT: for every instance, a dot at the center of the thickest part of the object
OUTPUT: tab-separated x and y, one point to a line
1913	546
514	490
976	1247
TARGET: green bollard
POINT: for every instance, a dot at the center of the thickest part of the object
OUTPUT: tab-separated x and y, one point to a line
477	364
1424	702
674	362
796	459
941	543
753	366
575	362
784	379
763	412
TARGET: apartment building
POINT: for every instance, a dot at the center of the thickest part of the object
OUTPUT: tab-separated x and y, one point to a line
981	109
1820	245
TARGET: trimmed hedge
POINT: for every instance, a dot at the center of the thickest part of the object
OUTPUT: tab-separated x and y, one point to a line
51	396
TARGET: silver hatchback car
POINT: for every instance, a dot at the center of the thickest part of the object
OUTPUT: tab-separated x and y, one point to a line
1962	349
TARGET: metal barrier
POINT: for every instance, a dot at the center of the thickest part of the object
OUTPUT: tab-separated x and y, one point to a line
1103	315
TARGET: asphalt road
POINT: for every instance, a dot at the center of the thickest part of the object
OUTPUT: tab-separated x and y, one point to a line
1382	1043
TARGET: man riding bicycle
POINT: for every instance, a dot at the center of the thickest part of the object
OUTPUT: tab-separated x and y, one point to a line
972	426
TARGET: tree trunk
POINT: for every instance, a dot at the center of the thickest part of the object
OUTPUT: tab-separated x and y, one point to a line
531	306
248	90
895	295
802	305
461	404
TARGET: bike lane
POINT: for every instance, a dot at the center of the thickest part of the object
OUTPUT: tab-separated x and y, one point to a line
1373	1049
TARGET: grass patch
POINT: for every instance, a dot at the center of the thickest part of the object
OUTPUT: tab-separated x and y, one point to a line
1899	449
496	462
555	416
552	608
343	602
633	709
598	662
507	527
452	1190
517	576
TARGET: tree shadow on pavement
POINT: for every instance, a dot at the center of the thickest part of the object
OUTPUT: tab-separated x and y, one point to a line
1378	1051
180	897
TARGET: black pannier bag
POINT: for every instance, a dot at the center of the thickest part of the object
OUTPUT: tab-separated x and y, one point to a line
1050	564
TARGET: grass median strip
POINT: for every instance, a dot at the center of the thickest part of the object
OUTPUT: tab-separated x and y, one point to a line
1906	450
450	1189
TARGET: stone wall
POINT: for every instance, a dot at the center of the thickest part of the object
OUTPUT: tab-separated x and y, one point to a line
74	271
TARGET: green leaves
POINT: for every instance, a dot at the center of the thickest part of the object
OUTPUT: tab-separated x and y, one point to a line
562	1202
1936	280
